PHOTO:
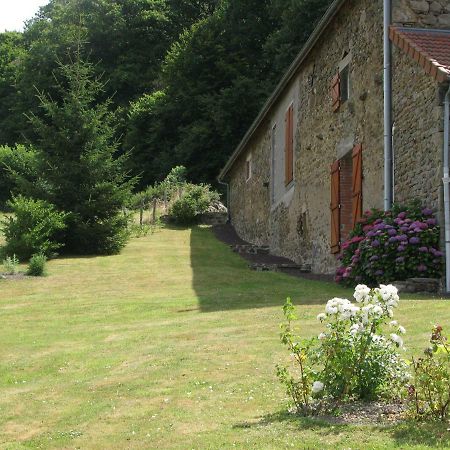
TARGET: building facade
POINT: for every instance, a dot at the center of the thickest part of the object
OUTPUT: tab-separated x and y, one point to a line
313	160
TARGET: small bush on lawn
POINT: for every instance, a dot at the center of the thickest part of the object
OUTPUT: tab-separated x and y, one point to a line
37	265
35	227
394	245
11	265
429	392
195	201
354	357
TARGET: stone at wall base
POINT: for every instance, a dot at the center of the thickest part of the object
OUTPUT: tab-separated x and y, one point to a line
214	218
417	285
263	267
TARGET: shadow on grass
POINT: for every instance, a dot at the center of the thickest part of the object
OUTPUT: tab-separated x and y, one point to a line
408	433
223	281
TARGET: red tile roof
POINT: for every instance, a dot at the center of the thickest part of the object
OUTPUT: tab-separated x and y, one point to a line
430	48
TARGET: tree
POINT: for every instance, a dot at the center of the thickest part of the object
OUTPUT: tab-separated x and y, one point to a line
215	78
80	172
298	18
12	53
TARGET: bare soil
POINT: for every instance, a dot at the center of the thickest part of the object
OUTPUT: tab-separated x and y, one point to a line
227	234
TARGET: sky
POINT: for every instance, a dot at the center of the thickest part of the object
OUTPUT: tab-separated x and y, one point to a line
13	13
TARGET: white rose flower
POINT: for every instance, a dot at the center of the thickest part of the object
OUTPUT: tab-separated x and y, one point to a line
393	323
377	338
397	339
321	316
322	336
329	309
317	387
361	293
401	329
388	293
377	311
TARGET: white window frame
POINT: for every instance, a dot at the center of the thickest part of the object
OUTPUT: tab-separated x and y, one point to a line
343	65
292	182
273	146
248	168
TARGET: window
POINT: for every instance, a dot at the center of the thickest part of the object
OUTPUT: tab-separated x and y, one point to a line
274	155
248	168
340	85
289	146
345	83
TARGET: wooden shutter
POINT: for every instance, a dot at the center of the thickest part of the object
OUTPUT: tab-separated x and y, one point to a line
336	92
335	208
357	179
289	146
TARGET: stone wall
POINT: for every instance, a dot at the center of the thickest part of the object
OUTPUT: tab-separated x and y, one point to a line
250	199
422	13
418	137
298	225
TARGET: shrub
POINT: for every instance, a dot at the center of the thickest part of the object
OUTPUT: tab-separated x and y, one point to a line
352	357
105	236
388	246
15	163
35	227
37	265
177	176
11	265
430	391
195	201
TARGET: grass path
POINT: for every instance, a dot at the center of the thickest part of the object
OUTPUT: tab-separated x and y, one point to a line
171	344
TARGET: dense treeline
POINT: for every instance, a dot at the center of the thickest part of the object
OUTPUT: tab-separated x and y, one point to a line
186	77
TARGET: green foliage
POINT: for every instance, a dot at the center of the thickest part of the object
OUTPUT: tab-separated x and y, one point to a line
185	78
429	392
298	18
15	163
36	226
194	201
298	389
216	77
11	265
385	247
78	162
37	265
139	231
176	177
352	358
12	53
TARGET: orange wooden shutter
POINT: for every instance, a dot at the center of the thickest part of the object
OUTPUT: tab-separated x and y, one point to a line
336	92
289	145
357	184
335	208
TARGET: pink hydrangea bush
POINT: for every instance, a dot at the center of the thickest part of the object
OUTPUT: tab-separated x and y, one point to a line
394	245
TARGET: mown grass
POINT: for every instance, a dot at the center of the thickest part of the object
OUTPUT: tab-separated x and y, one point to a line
171	344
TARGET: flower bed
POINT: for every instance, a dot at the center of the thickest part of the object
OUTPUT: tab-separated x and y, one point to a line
395	245
356	356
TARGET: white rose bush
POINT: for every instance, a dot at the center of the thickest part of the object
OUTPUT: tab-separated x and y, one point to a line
355	356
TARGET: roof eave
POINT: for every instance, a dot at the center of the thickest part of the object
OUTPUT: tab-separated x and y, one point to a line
287	77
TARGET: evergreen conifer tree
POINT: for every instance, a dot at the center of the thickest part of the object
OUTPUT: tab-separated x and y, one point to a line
80	170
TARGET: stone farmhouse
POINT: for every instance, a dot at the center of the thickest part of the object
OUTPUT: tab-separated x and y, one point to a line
356	122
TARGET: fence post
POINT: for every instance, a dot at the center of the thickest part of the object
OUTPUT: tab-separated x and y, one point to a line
165	200
154	211
141	213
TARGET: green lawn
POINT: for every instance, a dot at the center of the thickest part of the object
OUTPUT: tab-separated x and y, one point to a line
172	344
